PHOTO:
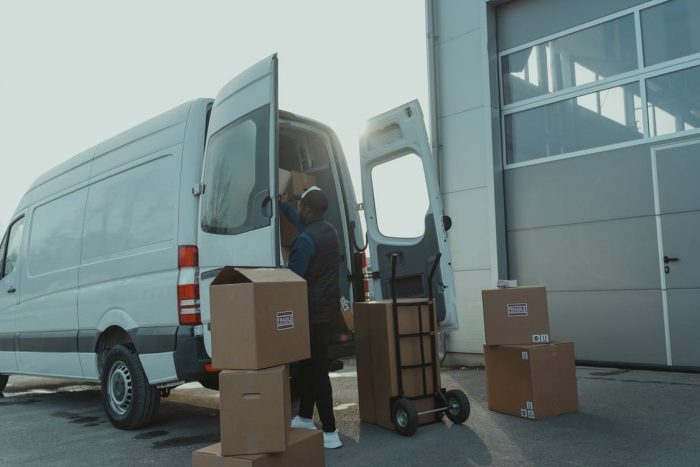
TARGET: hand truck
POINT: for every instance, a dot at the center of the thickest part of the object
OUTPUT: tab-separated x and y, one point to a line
453	403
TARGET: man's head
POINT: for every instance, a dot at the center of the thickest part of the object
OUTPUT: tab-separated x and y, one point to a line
314	205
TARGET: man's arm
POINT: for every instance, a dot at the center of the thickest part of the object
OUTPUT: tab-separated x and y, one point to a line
292	215
303	249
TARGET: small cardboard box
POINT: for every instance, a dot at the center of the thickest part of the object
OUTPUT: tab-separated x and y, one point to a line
305	448
375	351
256	410
295	183
516	316
259	318
535	381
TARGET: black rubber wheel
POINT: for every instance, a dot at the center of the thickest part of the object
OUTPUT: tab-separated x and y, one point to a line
458	407
128	400
210	382
3	382
405	417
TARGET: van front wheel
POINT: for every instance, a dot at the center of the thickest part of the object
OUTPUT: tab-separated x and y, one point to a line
128	400
3	382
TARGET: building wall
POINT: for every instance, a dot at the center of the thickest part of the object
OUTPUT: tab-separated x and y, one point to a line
550	170
465	110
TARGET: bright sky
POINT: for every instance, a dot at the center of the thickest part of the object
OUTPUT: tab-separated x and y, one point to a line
75	72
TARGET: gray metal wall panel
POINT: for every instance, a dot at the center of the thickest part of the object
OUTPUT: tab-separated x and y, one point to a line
678	169
610	255
617	326
522	21
609	185
684	322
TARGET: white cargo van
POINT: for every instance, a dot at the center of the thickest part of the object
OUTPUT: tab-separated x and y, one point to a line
106	263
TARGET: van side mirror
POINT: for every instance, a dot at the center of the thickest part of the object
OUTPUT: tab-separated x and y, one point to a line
446	223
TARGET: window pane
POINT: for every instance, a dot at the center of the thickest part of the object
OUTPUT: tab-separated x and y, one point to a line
579	58
13	247
670	30
674	102
237	176
597	119
401	207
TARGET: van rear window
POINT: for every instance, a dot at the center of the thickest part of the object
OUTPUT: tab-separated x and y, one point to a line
236	176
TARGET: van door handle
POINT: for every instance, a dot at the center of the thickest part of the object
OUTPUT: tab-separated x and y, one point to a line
11	290
267	206
670	259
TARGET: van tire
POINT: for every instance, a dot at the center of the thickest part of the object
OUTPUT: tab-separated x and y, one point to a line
127	398
3	382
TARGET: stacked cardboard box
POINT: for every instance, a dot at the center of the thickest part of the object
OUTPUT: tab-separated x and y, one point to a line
292	183
259	324
377	380
527	375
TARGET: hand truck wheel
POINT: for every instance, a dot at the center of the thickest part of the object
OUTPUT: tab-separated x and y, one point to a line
405	417
458	407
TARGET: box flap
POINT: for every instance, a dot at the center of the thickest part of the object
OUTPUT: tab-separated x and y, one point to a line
234	275
213	450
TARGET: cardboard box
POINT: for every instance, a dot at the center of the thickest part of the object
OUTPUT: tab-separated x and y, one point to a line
516	316
256	410
259	318
535	381
376	361
305	448
295	183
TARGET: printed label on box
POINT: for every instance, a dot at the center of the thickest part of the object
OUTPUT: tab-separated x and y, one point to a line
516	309
285	320
531	414
540	338
523	413
529	405
525	356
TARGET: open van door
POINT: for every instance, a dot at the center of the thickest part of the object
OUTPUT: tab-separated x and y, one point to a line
403	210
238	209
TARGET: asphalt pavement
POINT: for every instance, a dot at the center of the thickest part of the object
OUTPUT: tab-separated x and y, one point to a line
627	417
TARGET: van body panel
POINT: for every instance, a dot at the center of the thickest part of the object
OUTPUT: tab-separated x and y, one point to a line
390	136
9	302
159	367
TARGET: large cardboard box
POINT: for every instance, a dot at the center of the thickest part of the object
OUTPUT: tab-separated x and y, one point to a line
292	183
256	410
376	361
259	318
305	448
535	381
516	316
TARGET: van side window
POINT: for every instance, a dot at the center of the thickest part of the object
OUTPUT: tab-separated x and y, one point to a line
13	246
236	176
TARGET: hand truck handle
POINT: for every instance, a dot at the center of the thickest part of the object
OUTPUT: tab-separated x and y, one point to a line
436	262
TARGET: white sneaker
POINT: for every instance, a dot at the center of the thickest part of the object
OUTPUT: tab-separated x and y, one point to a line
331	440
301	422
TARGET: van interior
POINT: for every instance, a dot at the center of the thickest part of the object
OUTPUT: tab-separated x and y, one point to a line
307	149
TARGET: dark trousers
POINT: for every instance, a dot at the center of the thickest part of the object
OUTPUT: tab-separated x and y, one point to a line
314	382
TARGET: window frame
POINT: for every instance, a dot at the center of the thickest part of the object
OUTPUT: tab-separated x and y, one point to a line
641	74
7	236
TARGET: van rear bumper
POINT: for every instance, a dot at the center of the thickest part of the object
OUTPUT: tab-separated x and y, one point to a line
190	355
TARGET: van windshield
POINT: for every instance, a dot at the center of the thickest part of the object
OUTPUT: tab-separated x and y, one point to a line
236	176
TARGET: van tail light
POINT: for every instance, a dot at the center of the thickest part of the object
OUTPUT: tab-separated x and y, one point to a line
365	280
188	286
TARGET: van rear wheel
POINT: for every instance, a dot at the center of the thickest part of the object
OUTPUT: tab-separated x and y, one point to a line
3	382
128	400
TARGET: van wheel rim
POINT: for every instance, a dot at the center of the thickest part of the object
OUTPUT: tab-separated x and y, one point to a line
454	406
401	418
119	388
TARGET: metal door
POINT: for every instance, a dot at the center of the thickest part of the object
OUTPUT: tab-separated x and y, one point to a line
677	189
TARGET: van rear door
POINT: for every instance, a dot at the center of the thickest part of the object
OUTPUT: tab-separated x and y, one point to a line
403	210
238	210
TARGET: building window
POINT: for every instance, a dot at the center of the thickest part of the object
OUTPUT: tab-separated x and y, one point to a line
583	57
591	120
670	30
674	102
